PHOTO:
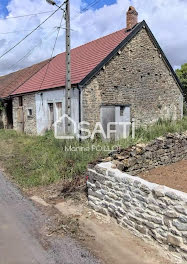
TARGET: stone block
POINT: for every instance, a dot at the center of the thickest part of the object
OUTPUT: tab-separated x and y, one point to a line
183	219
173	240
141	229
135	219
181	209
172	196
101	210
159	192
100	170
180	226
171	214
141	198
126	198
145	189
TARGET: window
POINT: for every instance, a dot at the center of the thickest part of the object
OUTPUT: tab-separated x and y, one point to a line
29	112
50	107
20	100
58	110
122	108
51	115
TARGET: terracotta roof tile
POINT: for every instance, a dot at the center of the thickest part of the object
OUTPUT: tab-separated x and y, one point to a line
83	60
9	83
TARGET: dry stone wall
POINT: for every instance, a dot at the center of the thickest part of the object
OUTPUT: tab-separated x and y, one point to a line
161	151
148	209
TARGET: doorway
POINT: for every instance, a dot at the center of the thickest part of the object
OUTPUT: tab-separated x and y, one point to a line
118	114
51	115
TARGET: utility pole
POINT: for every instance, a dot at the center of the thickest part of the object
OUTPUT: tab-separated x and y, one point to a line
68	68
68	64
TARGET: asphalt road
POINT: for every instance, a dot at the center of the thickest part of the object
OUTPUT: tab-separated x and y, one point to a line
20	222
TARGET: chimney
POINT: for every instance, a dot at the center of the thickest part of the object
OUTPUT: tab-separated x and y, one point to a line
132	18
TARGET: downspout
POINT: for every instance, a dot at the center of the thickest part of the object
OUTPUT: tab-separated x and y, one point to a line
80	105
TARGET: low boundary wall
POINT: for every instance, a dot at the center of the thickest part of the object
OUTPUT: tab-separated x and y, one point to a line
158	152
149	209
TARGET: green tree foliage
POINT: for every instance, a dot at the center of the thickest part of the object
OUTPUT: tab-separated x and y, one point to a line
182	74
1	106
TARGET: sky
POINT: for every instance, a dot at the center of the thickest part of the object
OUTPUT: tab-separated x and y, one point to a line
90	19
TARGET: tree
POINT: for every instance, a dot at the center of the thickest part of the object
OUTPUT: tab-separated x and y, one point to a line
182	74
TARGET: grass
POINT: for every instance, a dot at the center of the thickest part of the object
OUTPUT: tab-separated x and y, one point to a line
42	160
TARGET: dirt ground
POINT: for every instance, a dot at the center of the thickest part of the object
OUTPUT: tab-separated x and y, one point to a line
100	234
173	176
25	233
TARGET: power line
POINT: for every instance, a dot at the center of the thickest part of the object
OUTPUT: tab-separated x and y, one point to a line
32	49
14	32
90	5
58	28
26	56
19	31
86	8
52	51
46	12
27	15
30	32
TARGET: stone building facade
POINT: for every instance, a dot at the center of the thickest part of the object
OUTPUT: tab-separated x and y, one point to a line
117	78
137	76
24	114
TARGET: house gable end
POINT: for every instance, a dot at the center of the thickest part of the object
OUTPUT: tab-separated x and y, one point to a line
137	76
155	42
136	29
134	32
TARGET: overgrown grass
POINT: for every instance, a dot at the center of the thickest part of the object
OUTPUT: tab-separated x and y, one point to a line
42	160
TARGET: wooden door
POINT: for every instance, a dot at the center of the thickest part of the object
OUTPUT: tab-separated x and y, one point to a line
51	115
20	119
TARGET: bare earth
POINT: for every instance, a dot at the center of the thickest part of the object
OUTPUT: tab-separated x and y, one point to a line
30	234
109	242
173	176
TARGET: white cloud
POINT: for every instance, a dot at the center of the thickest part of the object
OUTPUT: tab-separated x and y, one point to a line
167	21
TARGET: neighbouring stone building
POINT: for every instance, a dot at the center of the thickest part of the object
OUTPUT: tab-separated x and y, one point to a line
118	77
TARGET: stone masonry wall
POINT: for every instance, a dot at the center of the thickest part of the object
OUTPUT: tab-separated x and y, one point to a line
161	151
137	76
29	121
150	210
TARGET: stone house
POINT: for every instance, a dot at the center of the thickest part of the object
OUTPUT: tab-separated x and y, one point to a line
121	76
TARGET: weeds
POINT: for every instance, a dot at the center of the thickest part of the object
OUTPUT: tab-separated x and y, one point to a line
42	160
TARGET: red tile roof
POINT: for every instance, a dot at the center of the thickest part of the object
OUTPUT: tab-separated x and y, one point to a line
9	83
84	59
45	75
